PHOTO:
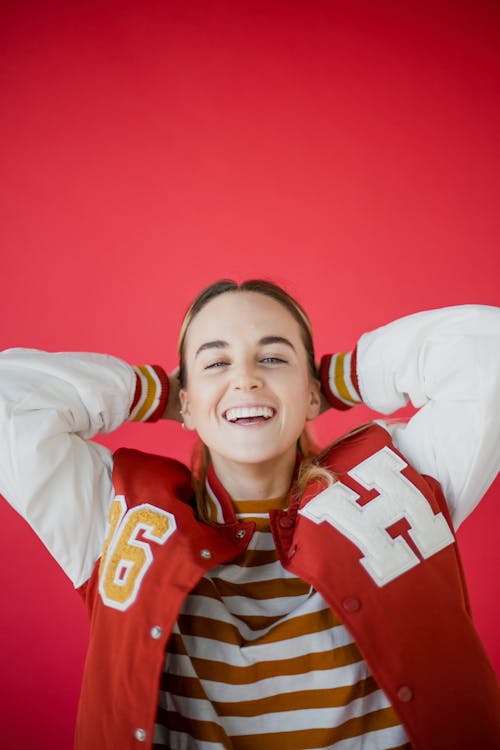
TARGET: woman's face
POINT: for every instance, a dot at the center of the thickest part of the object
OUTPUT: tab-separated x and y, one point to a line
249	390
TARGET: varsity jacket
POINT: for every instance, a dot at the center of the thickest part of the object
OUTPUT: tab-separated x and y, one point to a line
378	544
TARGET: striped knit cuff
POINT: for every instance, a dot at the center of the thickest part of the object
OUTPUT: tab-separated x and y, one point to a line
151	394
339	380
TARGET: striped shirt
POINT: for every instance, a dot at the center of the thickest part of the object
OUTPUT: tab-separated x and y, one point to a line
257	660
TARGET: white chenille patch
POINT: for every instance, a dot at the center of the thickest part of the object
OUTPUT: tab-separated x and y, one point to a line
384	558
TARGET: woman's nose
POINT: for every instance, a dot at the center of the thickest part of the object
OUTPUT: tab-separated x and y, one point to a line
245	378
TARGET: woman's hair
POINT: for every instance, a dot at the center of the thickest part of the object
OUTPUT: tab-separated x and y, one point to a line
308	449
260	286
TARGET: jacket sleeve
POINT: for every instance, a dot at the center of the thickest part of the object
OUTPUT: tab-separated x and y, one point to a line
447	363
51	472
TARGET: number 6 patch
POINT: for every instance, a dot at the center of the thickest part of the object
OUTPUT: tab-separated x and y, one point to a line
127	555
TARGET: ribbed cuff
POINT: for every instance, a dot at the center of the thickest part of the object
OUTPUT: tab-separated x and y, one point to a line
339	380
151	394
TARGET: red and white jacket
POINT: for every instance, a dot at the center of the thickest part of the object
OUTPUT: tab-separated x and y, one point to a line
378	544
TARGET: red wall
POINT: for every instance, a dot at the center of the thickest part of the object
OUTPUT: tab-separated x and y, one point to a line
347	150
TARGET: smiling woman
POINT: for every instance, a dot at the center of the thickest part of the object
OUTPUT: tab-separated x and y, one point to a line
250	392
294	599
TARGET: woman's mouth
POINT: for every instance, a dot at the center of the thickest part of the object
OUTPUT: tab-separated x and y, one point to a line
245	415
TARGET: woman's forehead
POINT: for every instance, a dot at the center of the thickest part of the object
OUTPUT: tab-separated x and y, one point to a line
235	315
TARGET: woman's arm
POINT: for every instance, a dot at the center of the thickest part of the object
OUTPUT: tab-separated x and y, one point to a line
447	363
50	470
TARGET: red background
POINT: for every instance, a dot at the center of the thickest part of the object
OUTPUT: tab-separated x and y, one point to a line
350	151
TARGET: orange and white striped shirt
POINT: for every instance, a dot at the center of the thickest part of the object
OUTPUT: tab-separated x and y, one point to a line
258	660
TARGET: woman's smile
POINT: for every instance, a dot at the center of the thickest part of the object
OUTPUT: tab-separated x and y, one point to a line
250	414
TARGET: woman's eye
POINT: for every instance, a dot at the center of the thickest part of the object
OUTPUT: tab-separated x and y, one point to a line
273	360
215	365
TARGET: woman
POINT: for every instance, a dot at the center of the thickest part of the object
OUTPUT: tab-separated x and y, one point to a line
285	603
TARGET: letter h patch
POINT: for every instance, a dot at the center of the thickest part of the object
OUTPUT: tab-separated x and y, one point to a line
384	558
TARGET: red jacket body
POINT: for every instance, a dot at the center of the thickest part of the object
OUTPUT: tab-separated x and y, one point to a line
363	544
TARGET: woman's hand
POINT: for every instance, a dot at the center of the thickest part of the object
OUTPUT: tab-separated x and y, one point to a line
325	404
173	410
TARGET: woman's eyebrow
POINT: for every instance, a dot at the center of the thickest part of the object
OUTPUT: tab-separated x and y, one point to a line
217	344
264	341
276	340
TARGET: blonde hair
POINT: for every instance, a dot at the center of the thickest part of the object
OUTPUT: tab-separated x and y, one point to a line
308	449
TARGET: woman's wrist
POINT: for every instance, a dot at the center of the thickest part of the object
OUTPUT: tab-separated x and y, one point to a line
339	380
152	391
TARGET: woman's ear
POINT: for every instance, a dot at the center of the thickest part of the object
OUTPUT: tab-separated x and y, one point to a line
314	405
187	418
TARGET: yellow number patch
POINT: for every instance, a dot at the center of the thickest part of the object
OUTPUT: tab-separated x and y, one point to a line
126	554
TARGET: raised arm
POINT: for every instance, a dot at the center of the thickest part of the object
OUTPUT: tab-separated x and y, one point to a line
447	363
50	470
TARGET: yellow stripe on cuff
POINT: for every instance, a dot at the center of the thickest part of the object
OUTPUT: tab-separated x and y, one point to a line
340	380
152	394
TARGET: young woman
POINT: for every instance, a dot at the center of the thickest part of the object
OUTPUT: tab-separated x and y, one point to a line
271	599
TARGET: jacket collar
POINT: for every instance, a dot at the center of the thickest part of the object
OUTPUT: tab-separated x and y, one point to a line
221	506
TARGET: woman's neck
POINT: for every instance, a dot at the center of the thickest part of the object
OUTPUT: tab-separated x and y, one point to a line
259	481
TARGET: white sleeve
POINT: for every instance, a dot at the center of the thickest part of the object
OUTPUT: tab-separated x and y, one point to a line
50	470
447	362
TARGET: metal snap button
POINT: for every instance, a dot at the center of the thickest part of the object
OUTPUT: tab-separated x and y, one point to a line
351	604
405	694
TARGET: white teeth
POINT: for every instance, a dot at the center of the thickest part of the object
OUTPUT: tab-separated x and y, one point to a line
243	412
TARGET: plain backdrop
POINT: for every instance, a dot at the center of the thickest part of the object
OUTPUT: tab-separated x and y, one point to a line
349	151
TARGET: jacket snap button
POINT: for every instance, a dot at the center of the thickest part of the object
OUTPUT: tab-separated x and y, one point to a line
241	533
286	522
351	604
140	735
206	554
405	694
156	632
